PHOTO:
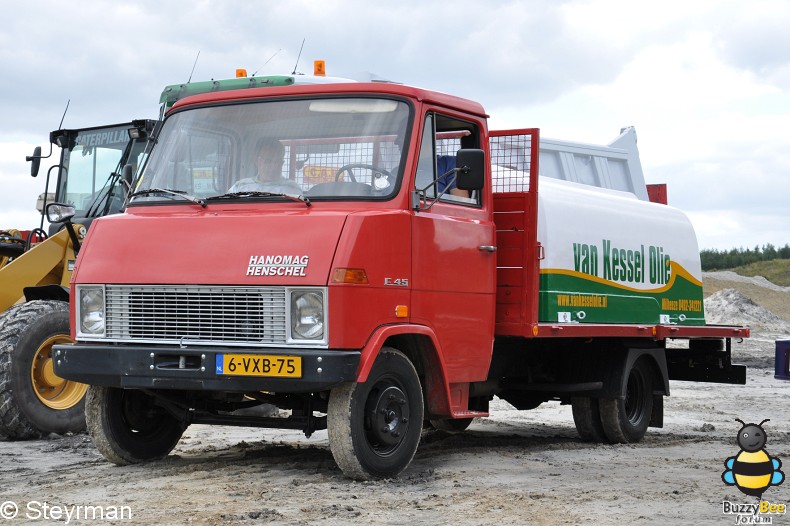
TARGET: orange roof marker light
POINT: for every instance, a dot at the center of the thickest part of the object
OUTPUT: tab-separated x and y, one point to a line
319	68
241	73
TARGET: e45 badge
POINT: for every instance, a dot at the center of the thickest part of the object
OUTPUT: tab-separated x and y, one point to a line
396	282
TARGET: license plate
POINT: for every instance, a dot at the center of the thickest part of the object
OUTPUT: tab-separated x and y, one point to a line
259	365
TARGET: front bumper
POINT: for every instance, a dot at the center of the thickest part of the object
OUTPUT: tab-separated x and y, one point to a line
193	368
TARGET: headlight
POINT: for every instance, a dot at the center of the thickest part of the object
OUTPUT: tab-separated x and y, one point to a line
307	315
90	311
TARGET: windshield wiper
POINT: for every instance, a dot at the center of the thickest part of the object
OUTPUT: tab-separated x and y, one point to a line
255	193
177	193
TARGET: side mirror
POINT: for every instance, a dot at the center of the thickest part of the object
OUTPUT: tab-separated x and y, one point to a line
471	169
35	161
58	212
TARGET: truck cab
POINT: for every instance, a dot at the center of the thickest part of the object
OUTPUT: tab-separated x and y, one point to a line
230	296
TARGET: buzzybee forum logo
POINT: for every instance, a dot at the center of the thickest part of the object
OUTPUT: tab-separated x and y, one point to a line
752	470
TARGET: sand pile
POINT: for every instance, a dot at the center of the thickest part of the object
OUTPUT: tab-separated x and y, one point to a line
731	307
729	275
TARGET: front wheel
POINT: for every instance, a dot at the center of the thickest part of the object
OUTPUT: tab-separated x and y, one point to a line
626	419
127	427
374	427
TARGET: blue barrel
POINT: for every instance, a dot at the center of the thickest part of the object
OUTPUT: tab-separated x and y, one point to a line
782	360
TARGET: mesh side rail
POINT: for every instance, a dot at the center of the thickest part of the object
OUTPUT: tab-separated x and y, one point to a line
513	157
510	157
510	160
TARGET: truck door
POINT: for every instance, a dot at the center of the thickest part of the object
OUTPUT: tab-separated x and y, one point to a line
453	263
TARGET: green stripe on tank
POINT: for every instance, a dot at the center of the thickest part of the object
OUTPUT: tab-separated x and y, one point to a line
570	296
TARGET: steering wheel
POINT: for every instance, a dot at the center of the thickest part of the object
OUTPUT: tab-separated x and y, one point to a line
349	168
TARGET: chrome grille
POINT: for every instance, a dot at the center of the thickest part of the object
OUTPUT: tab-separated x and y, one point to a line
201	314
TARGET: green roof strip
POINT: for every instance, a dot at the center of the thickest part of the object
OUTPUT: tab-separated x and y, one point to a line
175	92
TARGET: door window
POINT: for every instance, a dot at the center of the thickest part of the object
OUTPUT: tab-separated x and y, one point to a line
441	139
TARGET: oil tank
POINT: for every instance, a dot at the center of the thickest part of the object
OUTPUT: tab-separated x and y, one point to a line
610	257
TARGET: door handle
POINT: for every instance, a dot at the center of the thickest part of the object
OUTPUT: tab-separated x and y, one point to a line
487	248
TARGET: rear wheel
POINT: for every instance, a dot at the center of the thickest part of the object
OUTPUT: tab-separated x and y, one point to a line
34	401
374	427
128	427
626	420
587	418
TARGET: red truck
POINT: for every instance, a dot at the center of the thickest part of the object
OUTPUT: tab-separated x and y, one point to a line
370	259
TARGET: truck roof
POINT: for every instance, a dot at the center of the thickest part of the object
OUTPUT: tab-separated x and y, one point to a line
381	88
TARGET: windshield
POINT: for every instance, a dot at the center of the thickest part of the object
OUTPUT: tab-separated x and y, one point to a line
329	148
89	180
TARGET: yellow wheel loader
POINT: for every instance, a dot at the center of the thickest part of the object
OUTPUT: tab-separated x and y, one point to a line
93	177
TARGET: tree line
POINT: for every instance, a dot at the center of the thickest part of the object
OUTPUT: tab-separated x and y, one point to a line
713	259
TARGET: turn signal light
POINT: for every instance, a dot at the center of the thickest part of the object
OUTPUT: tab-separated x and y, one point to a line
356	276
402	311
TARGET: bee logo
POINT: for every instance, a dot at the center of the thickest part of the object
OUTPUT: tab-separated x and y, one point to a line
752	470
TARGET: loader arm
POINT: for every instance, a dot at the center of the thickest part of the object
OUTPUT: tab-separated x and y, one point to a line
48	263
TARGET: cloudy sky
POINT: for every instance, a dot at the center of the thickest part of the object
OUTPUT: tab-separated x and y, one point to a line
705	83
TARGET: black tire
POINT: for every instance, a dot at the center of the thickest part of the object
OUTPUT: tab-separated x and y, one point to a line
33	400
374	427
587	417
625	420
452	425
127	427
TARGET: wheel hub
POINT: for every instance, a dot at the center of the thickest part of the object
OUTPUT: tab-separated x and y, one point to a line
48	374
140	413
389	417
53	391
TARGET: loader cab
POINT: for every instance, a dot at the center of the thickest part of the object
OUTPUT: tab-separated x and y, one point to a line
91	166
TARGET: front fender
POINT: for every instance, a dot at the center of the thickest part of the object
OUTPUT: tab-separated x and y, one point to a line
437	390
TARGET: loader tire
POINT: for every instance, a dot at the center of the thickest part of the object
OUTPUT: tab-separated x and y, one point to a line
33	400
127	427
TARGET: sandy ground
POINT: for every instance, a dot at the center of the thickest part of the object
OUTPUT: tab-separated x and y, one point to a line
513	468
